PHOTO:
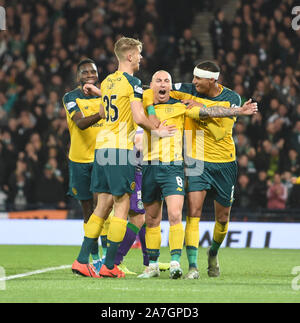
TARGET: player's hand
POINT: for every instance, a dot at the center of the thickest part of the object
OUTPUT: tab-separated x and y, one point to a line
91	89
138	141
249	108
191	103
164	130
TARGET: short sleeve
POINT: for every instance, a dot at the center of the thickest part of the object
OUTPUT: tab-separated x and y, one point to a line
235	100
182	91
70	104
136	90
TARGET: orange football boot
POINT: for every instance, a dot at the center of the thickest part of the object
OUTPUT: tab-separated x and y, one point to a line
113	273
84	270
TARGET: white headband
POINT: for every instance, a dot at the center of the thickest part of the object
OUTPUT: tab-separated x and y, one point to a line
206	74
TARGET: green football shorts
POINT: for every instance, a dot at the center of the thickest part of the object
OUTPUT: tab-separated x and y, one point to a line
161	180
218	177
80	175
113	175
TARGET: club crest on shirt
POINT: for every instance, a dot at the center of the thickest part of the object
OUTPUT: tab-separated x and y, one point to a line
132	186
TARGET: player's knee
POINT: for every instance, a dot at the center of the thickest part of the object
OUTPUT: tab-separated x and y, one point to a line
175	216
195	212
87	209
137	219
152	222
103	209
223	217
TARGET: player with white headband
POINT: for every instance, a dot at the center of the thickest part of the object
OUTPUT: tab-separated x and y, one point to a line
205	74
212	161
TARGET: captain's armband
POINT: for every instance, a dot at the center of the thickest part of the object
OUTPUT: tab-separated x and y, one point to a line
151	110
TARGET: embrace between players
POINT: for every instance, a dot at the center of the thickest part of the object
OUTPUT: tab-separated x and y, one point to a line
187	147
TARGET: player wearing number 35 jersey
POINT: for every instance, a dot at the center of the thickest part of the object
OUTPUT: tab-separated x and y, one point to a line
114	169
114	144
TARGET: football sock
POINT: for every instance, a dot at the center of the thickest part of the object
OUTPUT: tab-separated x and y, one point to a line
176	238
220	231
94	249
93	227
85	250
115	236
129	238
192	240
92	230
103	235
103	245
142	234
192	256
153	242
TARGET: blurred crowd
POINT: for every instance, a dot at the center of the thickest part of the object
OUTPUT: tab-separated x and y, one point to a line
39	52
259	55
45	39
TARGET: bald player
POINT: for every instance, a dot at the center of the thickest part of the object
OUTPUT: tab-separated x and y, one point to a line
163	168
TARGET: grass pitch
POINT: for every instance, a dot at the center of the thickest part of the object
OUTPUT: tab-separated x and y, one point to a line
247	275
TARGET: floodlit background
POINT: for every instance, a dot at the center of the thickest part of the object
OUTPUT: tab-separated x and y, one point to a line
254	42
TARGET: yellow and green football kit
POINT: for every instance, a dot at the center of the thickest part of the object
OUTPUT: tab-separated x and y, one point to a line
210	162
114	168
210	149
82	146
163	173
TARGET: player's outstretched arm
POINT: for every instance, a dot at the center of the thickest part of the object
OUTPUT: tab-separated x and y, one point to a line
197	110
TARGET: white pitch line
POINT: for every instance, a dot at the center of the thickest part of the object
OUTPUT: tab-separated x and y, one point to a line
40	271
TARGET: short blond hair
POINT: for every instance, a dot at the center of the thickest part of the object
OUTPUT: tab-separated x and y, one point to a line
125	44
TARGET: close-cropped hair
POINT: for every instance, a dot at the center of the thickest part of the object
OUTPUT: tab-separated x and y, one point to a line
209	66
84	61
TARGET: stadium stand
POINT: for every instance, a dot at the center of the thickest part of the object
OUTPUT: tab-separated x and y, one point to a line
45	39
259	55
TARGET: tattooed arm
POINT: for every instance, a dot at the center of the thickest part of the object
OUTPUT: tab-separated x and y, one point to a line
197	110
